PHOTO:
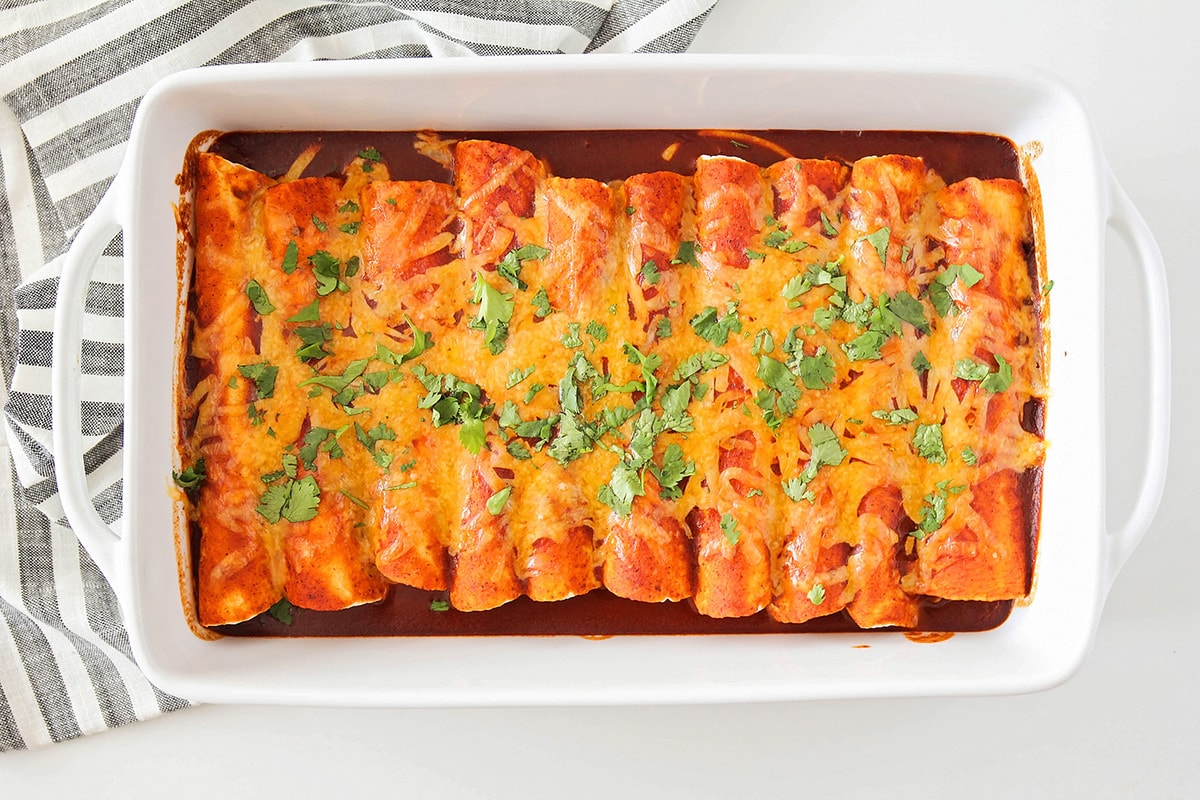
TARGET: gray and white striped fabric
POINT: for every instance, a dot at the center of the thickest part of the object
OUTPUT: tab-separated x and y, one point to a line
71	77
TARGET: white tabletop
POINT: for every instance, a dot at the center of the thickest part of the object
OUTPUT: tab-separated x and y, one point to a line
1127	725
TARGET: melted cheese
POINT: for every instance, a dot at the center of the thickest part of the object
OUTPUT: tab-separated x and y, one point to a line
402	500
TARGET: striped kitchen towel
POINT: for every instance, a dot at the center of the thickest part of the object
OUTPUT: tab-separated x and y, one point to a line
71	76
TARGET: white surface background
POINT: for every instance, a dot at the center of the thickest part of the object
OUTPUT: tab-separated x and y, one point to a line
1127	725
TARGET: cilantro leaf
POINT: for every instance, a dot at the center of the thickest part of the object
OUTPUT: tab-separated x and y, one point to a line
571	441
650	273
927	440
879	240
865	347
191	477
263	376
697	363
898	416
673	470
541	303
999	380
909	309
291	257
933	514
294	500
496	503
816	595
817	371
472	435
509	267
258	298
709	325
827	226
495	312
970	370
282	611
518	375
729	527
920	363
597	331
327	271
310	313
686	254
518	450
826	450
571	339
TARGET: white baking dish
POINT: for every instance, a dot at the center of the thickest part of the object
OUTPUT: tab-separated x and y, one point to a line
1080	551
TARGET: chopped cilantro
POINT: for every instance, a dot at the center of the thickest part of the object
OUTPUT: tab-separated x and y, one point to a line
191	477
263	376
509	267
650	273
327	271
310	313
663	329
879	240
472	435
496	503
291	257
597	331
865	347
541	303
939	290
817	371
571	339
968	456
729	527
686	254
827	226
920	363
697	363
999	380
295	500
927	440
970	370
826	451
319	440
673	470
898	416
439	604
909	309
532	392
764	342
519	450
816	595
358	501
282	611
495	312
319	223
518	375
709	325
258	298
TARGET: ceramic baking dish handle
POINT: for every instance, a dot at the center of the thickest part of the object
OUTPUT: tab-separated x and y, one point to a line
99	539
1124	218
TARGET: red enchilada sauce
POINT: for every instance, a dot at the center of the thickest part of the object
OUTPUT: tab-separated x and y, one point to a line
609	156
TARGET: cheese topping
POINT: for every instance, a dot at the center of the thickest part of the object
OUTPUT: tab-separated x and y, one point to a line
798	388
